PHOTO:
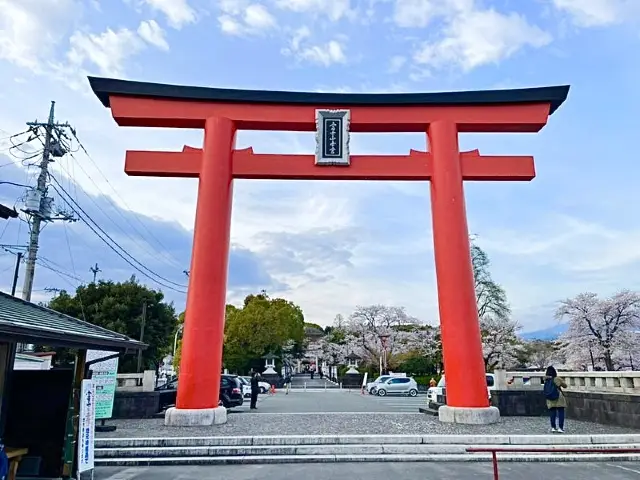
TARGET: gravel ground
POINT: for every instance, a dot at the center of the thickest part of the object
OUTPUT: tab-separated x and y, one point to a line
348	424
343	413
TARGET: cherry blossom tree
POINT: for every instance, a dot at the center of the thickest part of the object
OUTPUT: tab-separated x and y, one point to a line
368	323
500	343
602	332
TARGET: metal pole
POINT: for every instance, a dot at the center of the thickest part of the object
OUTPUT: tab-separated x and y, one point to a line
36	218
16	272
144	319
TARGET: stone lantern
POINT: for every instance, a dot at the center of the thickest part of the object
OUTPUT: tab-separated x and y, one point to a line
352	363
269	364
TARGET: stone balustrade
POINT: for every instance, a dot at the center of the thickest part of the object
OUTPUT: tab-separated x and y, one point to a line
606	382
137	382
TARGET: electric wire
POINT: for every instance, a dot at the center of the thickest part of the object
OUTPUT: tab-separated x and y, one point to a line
106	234
144	245
114	246
164	249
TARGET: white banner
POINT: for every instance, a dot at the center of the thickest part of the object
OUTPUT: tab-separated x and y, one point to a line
86	426
105	378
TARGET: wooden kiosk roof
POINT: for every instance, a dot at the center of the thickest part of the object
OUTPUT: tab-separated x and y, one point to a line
26	322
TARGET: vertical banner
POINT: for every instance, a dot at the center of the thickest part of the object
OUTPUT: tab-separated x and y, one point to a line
86	426
105	379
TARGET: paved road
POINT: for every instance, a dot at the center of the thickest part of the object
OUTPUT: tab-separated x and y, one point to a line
380	471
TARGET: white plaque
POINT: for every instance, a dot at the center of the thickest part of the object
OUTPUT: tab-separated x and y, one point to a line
332	137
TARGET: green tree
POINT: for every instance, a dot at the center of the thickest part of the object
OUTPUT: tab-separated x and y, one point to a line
118	307
263	325
500	343
490	296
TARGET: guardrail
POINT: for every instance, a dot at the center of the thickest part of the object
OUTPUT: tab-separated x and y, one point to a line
494	453
603	382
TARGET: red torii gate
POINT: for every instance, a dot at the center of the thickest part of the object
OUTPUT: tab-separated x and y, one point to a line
221	112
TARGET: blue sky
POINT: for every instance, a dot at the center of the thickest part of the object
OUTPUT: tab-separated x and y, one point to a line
327	245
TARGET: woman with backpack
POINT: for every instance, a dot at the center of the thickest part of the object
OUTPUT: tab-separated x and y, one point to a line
556	401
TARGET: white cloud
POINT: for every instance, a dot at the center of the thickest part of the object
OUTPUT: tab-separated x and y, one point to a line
107	51
178	12
416	13
152	33
239	17
334	9
30	30
324	54
594	13
396	63
472	37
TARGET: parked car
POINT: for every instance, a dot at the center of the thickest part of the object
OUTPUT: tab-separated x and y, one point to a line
438	391
230	392
398	385
371	386
263	386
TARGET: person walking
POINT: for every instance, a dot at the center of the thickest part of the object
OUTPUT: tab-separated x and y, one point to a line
556	401
255	389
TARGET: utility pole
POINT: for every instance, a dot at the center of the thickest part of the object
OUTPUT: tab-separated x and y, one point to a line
95	271
40	210
144	320
16	272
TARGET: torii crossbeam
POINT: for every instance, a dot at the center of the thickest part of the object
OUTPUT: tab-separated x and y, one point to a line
221	112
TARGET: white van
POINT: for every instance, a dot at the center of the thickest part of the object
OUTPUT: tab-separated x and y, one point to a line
434	392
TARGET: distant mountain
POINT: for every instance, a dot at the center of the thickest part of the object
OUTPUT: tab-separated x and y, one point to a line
551	333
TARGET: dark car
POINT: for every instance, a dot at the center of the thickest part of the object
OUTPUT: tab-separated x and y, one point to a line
230	392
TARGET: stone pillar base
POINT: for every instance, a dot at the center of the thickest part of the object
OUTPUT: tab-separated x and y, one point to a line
176	417
469	416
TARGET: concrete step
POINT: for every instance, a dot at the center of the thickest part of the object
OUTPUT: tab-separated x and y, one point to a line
354	448
323	450
301	440
287	459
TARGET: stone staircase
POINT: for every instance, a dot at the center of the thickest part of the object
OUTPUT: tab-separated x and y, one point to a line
353	448
302	380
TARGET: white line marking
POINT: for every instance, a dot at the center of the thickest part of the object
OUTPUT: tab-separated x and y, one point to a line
624	468
127	473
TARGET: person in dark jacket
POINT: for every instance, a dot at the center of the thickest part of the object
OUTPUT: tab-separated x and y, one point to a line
556	406
255	389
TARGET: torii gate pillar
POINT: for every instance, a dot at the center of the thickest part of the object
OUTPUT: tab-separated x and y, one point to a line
442	116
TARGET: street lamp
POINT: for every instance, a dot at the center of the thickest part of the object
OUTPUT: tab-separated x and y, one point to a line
175	339
383	357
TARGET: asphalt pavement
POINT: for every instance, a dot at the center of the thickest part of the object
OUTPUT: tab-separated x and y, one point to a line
380	471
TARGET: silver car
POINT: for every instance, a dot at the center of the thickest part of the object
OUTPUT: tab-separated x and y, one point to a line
398	385
371	386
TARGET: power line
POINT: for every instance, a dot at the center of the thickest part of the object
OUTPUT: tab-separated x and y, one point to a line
164	249
111	243
116	208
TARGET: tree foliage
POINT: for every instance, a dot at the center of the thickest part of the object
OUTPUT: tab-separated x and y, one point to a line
500	343
602	333
118	307
541	353
263	325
